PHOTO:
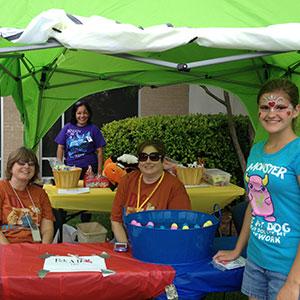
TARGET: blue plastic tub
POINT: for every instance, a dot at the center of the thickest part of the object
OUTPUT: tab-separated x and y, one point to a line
166	246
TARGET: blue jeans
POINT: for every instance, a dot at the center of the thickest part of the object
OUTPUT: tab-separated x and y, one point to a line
260	283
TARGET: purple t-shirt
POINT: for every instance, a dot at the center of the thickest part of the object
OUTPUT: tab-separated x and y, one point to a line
80	144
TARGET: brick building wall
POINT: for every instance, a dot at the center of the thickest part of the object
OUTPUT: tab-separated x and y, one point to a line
168	100
12	129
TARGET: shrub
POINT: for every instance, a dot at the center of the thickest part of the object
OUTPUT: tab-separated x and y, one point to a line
185	137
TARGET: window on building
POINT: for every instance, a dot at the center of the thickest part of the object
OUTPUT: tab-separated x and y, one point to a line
106	106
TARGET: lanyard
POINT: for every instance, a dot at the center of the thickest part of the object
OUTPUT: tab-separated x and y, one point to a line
138	206
35	232
35	209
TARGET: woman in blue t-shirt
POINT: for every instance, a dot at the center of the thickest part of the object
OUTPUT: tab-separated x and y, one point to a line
272	220
80	141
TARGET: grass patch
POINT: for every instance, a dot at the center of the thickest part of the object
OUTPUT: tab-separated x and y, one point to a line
102	217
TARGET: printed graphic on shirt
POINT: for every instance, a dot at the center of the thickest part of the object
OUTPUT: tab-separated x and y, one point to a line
260	197
130	209
22	216
132	203
263	224
78	142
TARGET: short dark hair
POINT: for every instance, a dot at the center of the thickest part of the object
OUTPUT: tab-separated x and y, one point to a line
25	155
281	84
158	145
74	110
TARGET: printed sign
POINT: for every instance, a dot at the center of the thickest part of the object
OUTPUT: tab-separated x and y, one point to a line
74	263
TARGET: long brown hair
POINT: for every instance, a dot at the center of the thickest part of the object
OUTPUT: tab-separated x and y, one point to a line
281	84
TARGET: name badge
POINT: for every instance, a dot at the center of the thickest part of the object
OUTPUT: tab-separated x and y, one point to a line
35	232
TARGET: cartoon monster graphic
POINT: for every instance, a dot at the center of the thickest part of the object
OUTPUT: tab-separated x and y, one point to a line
260	197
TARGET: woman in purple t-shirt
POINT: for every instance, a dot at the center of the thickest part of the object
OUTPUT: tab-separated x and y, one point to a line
80	141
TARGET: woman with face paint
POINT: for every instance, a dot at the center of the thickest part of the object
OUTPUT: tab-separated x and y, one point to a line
272	220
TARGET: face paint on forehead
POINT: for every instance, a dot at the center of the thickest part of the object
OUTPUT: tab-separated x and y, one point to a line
274	103
272	100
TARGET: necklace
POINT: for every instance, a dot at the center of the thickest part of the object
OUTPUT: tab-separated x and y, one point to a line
138	206
35	231
34	208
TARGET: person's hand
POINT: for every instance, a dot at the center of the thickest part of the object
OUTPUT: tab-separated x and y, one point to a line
290	290
226	255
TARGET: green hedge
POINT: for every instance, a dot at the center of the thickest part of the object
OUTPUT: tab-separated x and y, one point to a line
184	137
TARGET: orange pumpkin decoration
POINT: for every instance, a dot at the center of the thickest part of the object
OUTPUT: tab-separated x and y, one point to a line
113	171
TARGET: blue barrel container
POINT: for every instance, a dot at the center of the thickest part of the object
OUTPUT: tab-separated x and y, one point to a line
166	246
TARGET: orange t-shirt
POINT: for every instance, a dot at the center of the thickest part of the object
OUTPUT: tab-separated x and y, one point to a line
171	194
14	215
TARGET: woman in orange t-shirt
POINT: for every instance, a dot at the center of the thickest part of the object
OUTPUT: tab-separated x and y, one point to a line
25	209
149	188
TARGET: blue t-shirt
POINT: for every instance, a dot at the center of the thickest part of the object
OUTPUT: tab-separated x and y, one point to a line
80	144
274	195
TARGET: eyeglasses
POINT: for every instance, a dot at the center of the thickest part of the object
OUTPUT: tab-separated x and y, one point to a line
153	156
23	163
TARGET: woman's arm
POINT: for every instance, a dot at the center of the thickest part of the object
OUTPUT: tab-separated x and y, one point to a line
100	160
119	232
228	255
118	210
291	288
47	231
60	152
3	239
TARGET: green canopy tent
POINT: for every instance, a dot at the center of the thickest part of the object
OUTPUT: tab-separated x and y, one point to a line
46	79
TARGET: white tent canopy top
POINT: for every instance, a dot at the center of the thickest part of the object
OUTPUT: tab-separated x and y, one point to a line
108	36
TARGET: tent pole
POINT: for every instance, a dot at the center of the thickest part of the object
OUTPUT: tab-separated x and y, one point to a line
8	73
178	66
50	44
197	64
150	61
29	71
221	60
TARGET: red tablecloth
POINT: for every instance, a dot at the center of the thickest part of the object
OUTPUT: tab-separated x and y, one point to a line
20	263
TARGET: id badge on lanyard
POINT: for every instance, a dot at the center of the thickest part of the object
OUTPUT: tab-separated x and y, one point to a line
35	231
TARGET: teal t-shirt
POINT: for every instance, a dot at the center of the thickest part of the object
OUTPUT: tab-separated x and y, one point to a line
274	194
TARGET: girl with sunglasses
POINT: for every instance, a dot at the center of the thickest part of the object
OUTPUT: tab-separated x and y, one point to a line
148	188
272	223
25	209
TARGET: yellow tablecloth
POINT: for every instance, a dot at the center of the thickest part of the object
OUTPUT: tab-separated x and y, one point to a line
203	198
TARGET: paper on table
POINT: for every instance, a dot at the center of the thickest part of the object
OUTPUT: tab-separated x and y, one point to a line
202	184
73	263
237	263
73	191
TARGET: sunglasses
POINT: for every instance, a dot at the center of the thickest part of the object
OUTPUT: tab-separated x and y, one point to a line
23	163
153	156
